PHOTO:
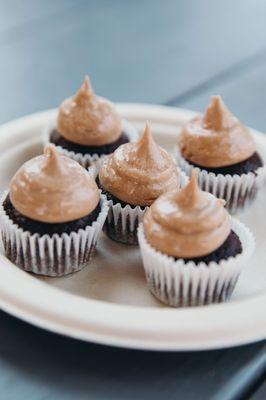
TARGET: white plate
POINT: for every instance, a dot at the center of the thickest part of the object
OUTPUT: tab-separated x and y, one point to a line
108	301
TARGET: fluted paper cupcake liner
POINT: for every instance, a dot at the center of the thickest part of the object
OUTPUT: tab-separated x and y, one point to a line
94	169
86	160
122	222
54	255
178	283
237	190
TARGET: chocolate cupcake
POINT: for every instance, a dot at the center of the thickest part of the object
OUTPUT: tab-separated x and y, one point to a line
52	216
224	153
132	178
192	250
88	127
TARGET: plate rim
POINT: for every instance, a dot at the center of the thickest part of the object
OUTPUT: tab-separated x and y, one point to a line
89	325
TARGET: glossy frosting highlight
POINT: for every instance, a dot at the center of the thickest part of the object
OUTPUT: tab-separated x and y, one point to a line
217	138
87	119
189	223
52	188
137	173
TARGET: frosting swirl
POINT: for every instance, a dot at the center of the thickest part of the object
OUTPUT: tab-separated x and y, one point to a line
52	188
217	138
137	173
187	224
87	119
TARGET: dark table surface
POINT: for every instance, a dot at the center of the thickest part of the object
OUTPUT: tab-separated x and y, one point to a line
166	52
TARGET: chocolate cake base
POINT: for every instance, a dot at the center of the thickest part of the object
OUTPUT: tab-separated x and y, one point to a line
244	167
230	248
47	253
59	140
43	228
114	199
116	231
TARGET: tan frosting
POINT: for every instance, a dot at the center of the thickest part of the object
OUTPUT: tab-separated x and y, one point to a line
53	188
217	138
88	119
138	173
187	224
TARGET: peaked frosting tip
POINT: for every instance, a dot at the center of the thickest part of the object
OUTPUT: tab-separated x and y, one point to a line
87	119
137	173
85	91
187	224
52	188
147	132
52	161
146	141
217	116
216	138
189	195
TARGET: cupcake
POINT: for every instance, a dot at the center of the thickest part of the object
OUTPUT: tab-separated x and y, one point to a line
192	250
88	127
52	216
224	153
132	178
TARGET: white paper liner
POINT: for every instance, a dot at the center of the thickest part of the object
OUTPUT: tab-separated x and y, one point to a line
237	190
122	221
94	169
86	160
54	255
178	283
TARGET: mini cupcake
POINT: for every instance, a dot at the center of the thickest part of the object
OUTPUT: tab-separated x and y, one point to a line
192	251
224	152
132	178
88	127
52	216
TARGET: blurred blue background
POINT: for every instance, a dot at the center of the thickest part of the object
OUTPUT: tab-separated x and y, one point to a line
173	52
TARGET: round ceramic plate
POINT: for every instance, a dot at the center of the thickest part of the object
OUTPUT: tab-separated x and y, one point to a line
108	301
